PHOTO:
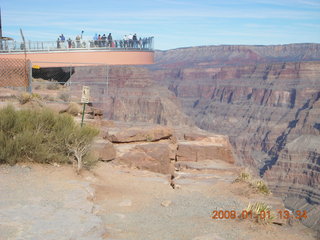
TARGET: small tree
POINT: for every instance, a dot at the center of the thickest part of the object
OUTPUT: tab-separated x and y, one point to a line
79	143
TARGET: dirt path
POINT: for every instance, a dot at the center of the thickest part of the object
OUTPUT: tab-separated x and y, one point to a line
113	202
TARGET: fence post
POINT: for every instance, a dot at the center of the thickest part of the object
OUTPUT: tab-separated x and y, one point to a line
107	80
30	77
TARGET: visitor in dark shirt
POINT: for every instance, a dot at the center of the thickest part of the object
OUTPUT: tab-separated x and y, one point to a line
58	43
109	40
69	43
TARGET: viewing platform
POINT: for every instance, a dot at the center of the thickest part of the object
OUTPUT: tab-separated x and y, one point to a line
65	53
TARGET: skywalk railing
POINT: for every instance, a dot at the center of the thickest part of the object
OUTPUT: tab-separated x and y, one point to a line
11	46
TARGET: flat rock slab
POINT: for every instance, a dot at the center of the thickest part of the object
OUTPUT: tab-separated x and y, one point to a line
206	165
140	134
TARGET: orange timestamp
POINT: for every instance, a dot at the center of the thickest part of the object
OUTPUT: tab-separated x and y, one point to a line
281	214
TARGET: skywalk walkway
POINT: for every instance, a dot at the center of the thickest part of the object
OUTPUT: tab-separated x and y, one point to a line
61	53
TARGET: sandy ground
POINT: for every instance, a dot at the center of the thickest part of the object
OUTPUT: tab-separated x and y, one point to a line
114	202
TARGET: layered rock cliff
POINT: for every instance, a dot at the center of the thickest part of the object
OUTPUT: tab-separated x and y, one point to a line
266	99
236	55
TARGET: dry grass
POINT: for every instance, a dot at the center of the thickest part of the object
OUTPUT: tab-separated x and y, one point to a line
260	212
25	97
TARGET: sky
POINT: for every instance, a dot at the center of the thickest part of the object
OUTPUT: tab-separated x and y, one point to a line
172	23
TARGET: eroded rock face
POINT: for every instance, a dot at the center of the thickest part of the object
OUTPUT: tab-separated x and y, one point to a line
266	99
128	94
208	148
150	156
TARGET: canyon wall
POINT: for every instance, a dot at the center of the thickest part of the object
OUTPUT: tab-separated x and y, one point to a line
129	94
266	99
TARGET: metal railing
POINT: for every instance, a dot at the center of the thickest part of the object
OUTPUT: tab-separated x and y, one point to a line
11	46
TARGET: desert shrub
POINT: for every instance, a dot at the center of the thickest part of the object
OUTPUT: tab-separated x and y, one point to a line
42	136
64	97
48	98
53	86
243	177
27	97
36	96
261	186
24	98
260	212
257	184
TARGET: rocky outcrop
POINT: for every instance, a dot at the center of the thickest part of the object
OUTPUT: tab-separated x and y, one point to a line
156	148
266	99
103	150
150	156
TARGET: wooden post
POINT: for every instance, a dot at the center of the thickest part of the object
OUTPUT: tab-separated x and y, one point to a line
84	99
84	108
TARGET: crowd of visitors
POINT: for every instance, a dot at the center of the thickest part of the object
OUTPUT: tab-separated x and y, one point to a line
101	41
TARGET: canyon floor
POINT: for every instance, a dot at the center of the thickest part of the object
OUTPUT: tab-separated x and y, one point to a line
113	201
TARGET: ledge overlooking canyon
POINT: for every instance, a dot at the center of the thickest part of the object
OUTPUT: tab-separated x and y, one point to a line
266	99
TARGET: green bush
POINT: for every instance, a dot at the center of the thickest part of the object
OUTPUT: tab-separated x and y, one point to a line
42	136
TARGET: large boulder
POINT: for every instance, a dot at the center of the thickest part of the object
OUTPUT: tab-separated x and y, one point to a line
103	149
134	134
209	148
154	157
